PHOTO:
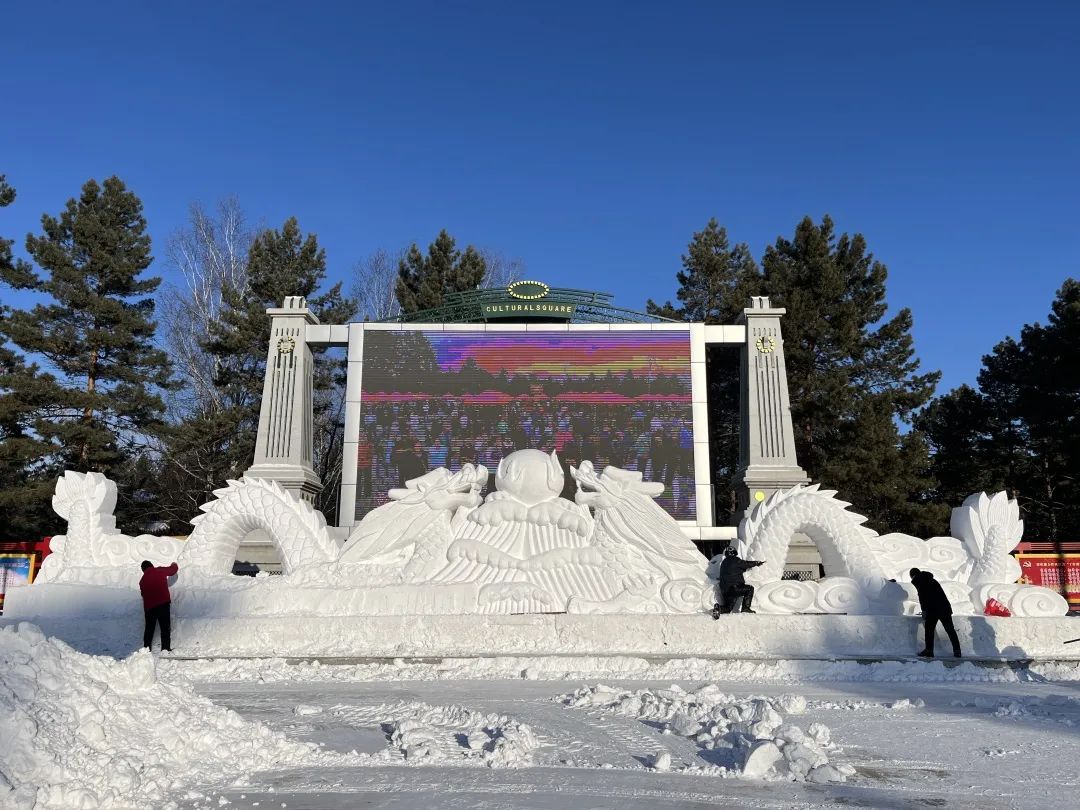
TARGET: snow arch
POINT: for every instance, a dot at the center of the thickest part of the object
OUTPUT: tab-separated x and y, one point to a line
296	529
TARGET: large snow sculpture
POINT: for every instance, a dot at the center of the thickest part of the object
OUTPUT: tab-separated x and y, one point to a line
860	564
438	545
523	549
93	551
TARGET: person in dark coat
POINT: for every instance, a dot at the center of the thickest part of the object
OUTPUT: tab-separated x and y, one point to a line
154	587
731	583
935	608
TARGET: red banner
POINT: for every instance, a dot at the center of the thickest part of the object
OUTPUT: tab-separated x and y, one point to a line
1058	572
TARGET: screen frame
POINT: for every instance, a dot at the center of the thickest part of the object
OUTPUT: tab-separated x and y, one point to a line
698	390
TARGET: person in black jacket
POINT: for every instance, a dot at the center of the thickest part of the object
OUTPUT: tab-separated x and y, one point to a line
730	581
935	608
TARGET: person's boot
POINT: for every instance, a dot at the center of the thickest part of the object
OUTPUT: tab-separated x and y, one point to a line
956	654
747	601
925	654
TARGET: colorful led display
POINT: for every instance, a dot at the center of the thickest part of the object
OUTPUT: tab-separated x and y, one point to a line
431	398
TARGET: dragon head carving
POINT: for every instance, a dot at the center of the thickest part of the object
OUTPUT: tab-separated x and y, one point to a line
442	490
610	487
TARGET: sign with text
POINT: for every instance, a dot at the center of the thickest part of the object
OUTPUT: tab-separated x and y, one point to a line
1058	572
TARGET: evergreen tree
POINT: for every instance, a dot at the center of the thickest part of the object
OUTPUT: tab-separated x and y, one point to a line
716	281
97	334
25	475
1019	431
852	376
218	444
423	281
715	285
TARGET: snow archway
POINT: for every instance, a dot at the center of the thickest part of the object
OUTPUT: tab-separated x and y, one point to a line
295	528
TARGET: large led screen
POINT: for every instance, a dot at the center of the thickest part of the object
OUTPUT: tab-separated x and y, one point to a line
442	399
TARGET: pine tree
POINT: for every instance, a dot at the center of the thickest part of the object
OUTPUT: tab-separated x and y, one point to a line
423	281
218	444
1019	430
716	281
852	376
25	473
715	285
97	335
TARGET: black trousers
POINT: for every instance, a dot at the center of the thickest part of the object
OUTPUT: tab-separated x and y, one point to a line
158	616
732	593
930	623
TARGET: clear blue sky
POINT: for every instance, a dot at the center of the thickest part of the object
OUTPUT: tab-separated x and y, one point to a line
588	139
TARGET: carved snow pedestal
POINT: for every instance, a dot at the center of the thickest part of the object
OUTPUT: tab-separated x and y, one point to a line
438	548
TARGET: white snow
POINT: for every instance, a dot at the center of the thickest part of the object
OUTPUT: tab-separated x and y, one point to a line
748	736
85	732
578	668
421	732
628	732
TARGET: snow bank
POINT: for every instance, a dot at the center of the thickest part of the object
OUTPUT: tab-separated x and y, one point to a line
78	731
748	737
278	670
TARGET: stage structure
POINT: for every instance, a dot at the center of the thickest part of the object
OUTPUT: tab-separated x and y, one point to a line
586	379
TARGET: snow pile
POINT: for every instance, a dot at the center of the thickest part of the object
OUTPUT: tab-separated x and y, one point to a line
77	731
1064	709
858	705
747	736
578	668
425	733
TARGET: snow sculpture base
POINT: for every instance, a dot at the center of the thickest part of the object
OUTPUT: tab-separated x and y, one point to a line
109	621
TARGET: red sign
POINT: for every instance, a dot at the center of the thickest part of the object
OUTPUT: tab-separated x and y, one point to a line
1058	572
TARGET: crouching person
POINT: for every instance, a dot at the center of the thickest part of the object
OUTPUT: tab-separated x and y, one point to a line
731	584
154	587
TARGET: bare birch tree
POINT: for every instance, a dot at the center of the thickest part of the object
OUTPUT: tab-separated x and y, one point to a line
374	282
210	255
501	271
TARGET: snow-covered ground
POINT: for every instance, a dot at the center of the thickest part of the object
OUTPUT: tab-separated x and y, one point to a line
545	733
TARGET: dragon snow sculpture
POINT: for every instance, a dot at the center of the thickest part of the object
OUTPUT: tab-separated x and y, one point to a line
523	549
868	573
93	550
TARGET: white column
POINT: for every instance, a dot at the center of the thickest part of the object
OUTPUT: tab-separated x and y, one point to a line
767	461
283	447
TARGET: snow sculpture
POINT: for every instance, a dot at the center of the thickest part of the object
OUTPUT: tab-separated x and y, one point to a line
524	549
859	564
298	530
93	551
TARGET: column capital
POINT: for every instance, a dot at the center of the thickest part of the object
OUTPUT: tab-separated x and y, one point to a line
294	306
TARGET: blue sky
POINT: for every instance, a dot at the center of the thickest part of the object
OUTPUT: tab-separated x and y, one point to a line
588	139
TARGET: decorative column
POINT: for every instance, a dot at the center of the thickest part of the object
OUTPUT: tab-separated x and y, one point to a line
767	460
283	448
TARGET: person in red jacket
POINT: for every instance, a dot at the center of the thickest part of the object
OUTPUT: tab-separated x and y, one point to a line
154	587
